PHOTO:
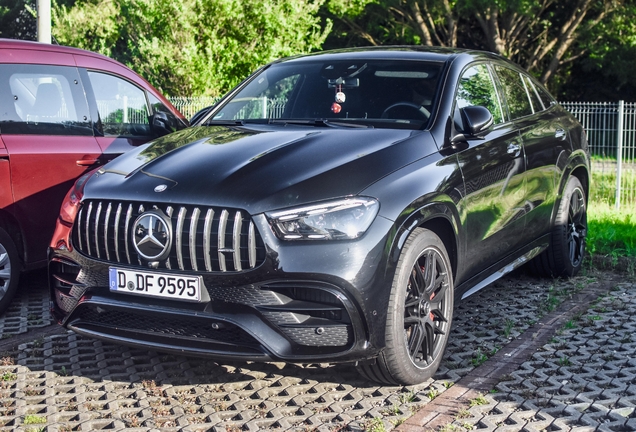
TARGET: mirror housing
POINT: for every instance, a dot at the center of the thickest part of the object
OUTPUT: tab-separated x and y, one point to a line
477	120
161	123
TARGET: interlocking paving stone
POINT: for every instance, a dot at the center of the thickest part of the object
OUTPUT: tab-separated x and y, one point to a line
30	307
584	379
70	382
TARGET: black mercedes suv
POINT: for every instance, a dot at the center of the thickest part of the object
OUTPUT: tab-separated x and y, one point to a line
331	208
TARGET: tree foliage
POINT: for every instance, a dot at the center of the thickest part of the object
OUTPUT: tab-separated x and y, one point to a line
192	47
17	19
544	36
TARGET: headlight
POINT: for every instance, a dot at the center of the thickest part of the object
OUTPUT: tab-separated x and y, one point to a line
70	205
343	219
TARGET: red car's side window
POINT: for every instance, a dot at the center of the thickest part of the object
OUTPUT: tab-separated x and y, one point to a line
42	100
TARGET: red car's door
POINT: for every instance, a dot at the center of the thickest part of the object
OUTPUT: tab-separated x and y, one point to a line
49	142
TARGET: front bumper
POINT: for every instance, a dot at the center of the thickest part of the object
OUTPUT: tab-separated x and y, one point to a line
318	302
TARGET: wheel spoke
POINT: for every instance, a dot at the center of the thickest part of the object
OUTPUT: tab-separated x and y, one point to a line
418	281
415	341
428	346
439	316
4	258
410	321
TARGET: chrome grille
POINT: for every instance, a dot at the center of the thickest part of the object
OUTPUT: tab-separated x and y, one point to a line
205	239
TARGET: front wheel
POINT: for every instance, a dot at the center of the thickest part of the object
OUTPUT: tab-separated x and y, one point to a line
419	314
9	270
564	256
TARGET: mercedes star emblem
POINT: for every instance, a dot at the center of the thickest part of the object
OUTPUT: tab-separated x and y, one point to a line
152	235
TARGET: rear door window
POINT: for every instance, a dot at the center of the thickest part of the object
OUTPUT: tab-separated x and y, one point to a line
43	100
515	92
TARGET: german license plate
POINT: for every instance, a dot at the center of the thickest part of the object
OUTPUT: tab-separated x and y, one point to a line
155	284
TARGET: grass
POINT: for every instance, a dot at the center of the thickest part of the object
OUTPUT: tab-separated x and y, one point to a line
611	232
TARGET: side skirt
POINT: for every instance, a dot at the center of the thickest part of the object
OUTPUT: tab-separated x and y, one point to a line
477	284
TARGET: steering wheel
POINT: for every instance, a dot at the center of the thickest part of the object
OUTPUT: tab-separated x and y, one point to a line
413	111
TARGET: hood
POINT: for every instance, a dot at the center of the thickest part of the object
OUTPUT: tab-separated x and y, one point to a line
259	168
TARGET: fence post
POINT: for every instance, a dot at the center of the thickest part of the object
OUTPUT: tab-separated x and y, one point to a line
619	153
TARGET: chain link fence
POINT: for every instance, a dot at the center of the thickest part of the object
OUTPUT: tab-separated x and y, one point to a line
611	131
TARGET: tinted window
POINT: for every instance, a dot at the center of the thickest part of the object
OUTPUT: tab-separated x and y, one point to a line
382	93
46	100
122	107
515	92
476	87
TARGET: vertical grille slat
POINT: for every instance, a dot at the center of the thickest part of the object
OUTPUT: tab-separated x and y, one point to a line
117	218
104	231
251	242
207	235
97	224
236	240
169	211
221	234
79	225
126	232
106	222
179	237
194	221
88	222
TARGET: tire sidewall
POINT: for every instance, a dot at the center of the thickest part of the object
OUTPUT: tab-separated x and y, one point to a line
406	371
12	252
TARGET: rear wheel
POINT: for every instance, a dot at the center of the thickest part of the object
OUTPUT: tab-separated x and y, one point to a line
564	256
419	315
9	270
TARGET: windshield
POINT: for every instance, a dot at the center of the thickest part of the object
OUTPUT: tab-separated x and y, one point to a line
369	92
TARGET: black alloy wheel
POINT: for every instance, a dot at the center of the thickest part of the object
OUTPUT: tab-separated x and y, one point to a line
576	227
425	309
419	315
564	256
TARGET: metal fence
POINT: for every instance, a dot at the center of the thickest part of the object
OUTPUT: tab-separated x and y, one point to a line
611	131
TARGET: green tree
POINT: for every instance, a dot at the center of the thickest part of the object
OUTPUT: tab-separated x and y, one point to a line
192	47
17	19
544	36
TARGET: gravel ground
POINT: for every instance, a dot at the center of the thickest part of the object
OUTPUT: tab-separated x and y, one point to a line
582	379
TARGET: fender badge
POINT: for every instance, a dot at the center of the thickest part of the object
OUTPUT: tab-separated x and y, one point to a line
161	188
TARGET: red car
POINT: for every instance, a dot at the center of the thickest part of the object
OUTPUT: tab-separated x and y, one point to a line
63	112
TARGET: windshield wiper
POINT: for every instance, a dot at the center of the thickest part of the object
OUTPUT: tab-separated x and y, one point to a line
224	123
319	122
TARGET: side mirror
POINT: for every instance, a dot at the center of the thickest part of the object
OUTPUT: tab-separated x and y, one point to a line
477	119
161	123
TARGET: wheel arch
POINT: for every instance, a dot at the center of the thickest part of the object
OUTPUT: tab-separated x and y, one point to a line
438	217
583	175
577	166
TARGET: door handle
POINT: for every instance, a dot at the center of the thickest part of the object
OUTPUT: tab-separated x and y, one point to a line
559	134
88	162
514	149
